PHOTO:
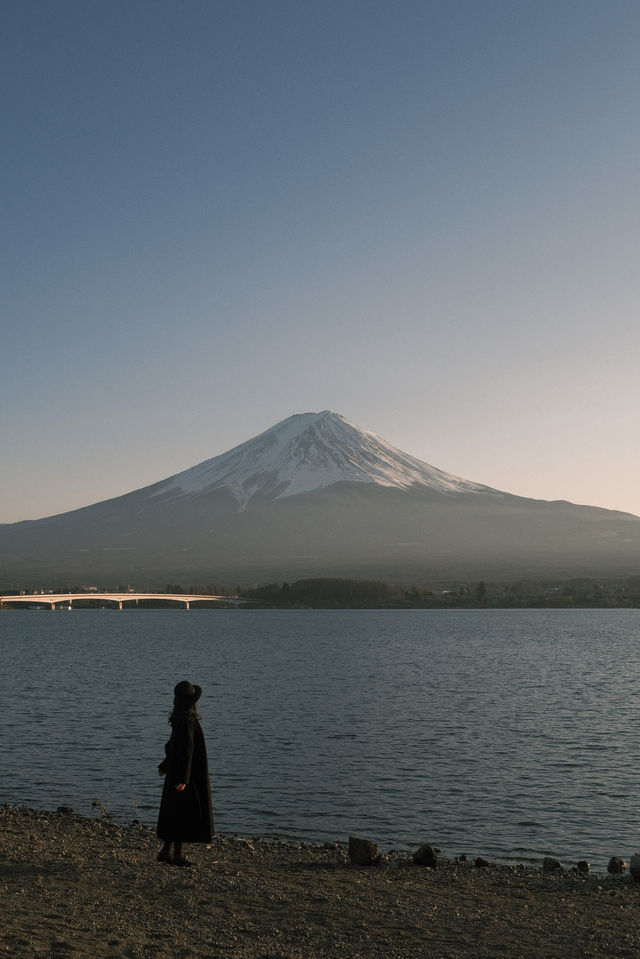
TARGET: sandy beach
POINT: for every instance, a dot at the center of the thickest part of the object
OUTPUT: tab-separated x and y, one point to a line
72	886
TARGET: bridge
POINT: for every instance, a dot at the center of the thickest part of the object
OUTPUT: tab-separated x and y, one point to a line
65	600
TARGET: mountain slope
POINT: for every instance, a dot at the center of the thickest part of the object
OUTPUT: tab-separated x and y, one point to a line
308	451
315	496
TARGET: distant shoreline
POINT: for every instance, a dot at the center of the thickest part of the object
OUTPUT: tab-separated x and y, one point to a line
341	593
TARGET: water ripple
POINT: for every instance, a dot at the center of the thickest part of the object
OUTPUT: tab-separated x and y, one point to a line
508	733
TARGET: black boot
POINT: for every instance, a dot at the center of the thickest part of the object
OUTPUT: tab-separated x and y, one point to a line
165	853
178	858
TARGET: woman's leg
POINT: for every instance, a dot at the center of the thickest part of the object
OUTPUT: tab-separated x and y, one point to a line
178	858
165	853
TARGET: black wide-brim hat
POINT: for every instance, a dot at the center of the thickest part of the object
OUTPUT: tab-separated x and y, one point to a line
186	694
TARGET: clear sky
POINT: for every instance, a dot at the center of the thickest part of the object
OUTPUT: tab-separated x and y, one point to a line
421	214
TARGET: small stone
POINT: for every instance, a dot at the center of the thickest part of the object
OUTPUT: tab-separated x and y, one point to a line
426	856
65	810
549	864
634	866
583	866
481	863
616	865
362	852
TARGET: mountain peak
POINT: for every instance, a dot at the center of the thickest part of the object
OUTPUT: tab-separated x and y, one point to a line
309	451
252	515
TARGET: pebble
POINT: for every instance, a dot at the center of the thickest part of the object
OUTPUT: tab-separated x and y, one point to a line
249	899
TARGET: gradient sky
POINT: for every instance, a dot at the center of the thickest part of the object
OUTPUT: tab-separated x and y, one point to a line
421	214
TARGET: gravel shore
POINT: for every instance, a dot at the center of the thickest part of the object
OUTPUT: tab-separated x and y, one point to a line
77	887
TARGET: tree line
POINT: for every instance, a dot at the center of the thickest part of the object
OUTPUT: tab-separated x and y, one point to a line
331	593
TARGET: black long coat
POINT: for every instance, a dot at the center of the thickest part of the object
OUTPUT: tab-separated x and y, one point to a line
185	816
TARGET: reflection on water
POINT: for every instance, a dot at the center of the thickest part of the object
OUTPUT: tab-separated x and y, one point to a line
509	733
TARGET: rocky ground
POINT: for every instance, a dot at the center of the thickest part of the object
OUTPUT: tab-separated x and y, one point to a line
77	887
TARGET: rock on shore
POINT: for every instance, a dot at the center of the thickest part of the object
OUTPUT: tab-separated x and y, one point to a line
91	889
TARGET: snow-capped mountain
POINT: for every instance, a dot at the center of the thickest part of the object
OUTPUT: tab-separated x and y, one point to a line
315	495
308	451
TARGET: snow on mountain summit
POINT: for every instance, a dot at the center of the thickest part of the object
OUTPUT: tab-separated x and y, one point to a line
309	451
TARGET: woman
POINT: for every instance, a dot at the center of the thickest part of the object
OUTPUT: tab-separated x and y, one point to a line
186	813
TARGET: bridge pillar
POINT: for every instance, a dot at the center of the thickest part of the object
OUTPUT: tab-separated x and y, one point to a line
53	606
187	604
119	604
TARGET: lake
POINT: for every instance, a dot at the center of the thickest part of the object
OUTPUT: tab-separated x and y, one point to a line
511	734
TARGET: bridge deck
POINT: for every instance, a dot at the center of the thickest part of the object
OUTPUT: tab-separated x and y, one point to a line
67	599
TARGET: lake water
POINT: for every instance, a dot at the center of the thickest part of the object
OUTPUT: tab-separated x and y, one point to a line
511	734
